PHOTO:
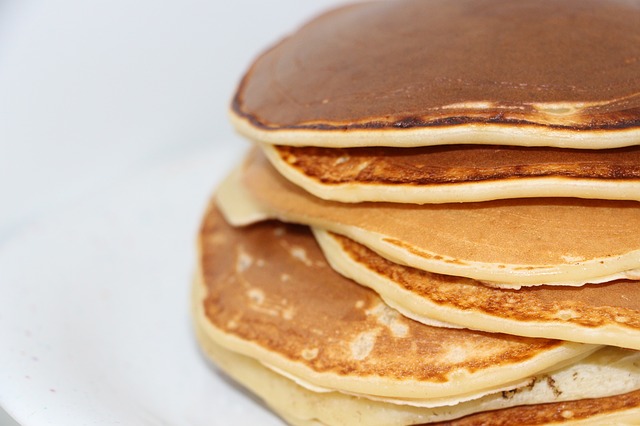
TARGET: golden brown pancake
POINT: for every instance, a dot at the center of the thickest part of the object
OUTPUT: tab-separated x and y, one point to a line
435	101
459	173
268	293
267	285
510	243
301	406
416	73
616	410
605	314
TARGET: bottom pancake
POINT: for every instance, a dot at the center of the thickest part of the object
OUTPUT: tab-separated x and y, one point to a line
321	349
300	406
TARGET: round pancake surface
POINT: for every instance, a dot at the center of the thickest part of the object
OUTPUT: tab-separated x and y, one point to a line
605	314
270	294
511	243
459	173
416	72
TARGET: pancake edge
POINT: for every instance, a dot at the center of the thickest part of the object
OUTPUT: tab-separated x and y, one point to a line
240	207
494	189
424	311
372	410
484	382
472	133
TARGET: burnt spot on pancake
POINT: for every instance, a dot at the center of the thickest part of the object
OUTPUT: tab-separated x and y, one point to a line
611	122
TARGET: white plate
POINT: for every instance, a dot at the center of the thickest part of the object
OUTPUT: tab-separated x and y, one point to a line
94	309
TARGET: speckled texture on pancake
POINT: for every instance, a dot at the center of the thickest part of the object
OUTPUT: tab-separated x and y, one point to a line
272	295
459	173
389	67
607	314
522	241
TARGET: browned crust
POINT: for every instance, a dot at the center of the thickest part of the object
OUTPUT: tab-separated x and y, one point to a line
550	413
342	72
620	121
327	311
499	232
457	164
590	306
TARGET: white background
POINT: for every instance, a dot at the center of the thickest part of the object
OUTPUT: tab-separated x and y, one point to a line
113	132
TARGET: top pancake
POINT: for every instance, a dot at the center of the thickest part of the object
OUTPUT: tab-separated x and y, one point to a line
416	72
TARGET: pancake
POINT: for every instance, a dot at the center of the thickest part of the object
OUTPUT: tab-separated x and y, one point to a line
605	314
460	173
252	298
417	73
268	293
508	243
622	410
301	406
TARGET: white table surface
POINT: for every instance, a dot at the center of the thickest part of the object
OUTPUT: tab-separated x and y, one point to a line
100	100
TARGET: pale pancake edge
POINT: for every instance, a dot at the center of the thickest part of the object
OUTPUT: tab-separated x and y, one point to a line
299	405
606	314
395	175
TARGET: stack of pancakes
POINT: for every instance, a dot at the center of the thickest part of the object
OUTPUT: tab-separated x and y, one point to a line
439	220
